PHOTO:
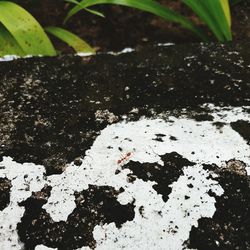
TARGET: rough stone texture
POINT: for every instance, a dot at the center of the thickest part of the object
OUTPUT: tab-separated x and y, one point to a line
52	110
100	207
229	228
45	101
162	175
5	186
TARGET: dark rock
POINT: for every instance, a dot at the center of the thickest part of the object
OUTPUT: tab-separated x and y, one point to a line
5	186
52	110
230	226
48	105
95	206
162	175
243	128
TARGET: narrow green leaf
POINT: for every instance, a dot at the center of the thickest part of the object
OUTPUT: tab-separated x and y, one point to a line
200	9
217	12
25	30
95	12
212	13
150	6
226	9
71	39
8	45
72	1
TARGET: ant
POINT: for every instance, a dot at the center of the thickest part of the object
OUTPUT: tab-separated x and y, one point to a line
124	158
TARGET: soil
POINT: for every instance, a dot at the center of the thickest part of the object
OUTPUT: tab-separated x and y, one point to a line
124	27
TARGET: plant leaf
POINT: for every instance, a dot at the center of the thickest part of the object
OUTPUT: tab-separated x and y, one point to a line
95	12
26	31
150	6
71	39
8	45
212	13
226	9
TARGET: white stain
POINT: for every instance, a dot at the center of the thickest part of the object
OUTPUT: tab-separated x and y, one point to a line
164	225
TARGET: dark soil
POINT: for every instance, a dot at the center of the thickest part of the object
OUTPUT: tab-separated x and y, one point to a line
124	27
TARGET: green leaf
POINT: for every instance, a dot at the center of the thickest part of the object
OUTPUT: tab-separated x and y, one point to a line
71	39
226	9
8	45
150	6
213	14
25	30
95	12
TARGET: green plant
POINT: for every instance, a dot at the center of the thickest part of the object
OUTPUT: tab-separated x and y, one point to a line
214	13
21	34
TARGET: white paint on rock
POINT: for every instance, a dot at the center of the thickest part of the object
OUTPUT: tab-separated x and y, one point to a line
42	247
153	230
25	178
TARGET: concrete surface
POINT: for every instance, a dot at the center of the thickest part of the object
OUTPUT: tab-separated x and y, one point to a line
141	150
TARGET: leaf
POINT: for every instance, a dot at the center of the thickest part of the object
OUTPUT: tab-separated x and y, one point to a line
97	13
8	45
212	13
226	9
71	39
200	9
150	6
25	30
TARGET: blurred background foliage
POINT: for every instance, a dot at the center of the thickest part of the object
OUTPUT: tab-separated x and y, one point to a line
22	33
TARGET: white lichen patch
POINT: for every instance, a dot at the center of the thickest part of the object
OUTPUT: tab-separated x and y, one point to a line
163	225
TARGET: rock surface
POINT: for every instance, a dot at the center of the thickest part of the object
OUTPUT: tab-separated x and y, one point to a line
141	150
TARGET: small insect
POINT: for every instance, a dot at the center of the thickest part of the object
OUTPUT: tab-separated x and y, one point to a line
124	158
